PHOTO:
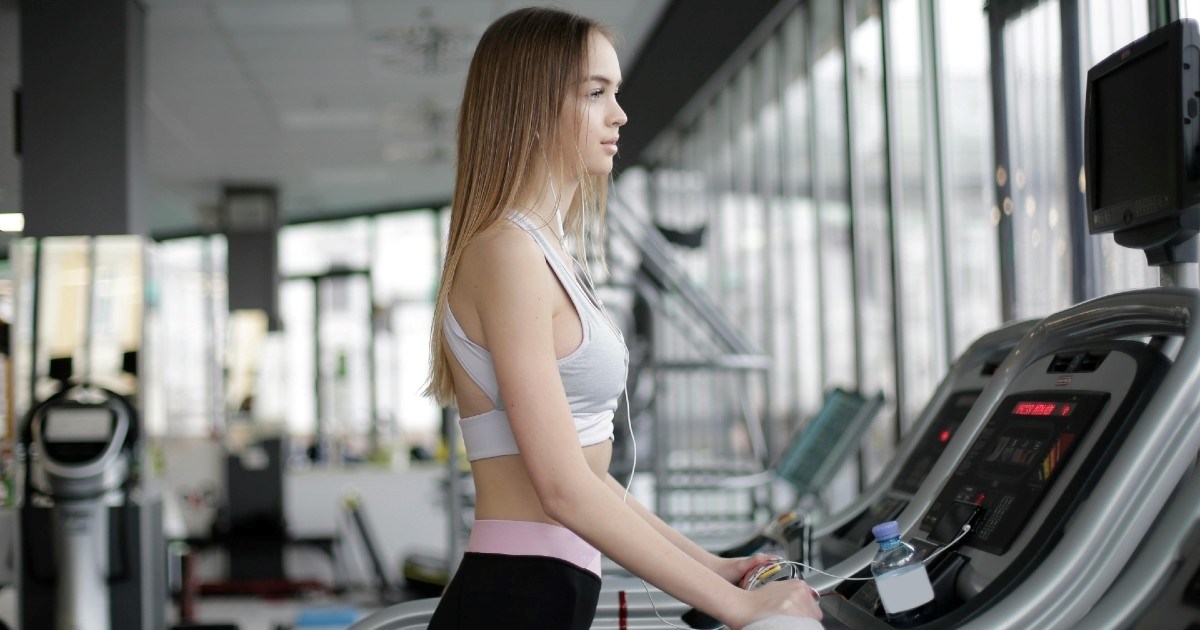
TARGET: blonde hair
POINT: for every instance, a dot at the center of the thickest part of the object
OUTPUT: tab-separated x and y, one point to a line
525	65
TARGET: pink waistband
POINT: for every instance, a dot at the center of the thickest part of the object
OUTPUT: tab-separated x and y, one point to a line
528	538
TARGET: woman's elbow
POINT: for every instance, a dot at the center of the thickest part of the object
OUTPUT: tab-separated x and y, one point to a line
559	497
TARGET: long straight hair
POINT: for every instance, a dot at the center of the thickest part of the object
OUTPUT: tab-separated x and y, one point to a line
525	66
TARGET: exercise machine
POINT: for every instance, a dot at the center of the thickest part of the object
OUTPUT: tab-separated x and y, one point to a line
103	563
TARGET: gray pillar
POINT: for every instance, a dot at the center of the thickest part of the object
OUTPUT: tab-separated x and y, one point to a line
82	117
250	221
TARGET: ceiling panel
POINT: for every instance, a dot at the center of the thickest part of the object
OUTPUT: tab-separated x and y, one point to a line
344	104
257	16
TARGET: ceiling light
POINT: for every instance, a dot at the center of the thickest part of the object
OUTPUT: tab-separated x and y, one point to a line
12	222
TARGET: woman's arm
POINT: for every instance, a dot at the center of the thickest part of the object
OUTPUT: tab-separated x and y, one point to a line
731	569
514	298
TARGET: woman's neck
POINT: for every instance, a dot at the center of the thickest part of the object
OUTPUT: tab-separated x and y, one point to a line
552	197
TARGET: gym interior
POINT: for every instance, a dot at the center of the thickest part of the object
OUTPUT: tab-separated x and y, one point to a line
923	261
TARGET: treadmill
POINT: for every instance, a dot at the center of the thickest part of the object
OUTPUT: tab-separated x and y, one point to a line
1084	434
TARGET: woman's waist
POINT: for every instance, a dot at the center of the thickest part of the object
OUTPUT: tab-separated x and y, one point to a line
532	538
503	490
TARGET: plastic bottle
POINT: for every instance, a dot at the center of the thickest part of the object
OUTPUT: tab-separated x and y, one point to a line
901	579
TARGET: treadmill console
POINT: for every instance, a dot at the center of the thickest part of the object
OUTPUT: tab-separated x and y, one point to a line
1013	462
934	442
910	477
77	434
1024	475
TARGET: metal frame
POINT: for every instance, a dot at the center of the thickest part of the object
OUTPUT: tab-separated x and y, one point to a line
900	417
998	13
934	154
847	16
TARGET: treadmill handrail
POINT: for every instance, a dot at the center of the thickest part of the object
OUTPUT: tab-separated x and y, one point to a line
1138	313
973	358
1141	580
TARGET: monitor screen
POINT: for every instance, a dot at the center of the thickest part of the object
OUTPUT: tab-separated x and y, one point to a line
1142	143
1135	132
77	424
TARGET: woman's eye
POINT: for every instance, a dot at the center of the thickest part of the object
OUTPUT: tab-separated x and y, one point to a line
596	93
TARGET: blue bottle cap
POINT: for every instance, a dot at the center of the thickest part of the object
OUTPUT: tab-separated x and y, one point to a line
884	531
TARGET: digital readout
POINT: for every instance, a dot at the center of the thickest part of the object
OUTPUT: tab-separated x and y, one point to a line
1031	408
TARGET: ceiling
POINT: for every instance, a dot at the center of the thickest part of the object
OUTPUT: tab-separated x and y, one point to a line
348	106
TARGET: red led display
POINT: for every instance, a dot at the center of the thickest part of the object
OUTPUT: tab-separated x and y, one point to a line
1040	409
944	436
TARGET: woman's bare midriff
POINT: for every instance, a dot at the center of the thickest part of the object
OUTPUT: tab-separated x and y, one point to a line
503	490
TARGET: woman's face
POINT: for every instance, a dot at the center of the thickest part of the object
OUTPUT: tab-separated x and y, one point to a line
592	115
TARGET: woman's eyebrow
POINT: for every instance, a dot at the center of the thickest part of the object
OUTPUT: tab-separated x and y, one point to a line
602	79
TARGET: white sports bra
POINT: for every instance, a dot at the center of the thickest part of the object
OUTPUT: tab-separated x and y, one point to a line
593	375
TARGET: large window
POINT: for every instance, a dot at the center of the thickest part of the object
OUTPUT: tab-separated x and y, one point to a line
973	264
872	225
832	195
191	317
803	293
916	223
815	158
357	304
1037	161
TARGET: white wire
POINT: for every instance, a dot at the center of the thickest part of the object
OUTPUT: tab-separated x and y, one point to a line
632	470
963	532
632	441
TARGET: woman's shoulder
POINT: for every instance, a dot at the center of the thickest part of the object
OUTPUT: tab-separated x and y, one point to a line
502	249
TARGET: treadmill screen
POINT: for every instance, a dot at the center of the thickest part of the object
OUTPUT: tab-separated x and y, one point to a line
1013	462
936	437
78	424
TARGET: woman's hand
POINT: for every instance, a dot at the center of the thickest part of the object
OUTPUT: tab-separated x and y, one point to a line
791	598
734	569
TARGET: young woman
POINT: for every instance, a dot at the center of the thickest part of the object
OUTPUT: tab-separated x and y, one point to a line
525	350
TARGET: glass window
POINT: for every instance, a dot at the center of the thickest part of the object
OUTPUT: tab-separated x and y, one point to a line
407	364
801	246
404	277
406	264
780	322
918	237
296	308
314	248
832	196
872	226
190	316
970	214
1189	9
344	379
1037	161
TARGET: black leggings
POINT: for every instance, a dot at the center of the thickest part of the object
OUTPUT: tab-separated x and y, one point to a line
515	592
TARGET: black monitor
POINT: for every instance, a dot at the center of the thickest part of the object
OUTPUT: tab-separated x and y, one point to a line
1142	136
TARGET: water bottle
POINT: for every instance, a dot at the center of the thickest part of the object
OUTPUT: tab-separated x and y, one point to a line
901	579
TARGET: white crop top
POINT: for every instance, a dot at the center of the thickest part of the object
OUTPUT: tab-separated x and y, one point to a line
593	375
